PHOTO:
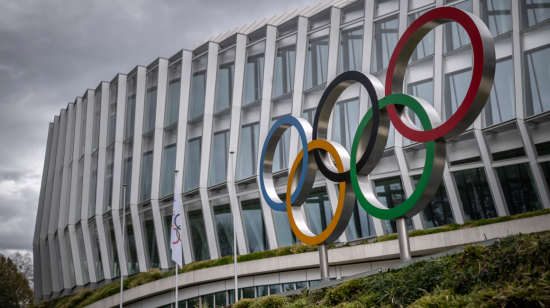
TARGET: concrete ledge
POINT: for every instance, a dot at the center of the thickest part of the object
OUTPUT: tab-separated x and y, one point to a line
420	245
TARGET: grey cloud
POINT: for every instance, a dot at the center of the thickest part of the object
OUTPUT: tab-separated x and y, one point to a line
52	51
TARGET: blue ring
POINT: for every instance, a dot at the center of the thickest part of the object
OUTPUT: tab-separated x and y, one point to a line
281	206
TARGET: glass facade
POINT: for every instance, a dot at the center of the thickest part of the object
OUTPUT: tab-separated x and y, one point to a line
197	232
390	193
518	188
112	248
284	66
351	48
438	212
224	87
456	86
385	39
536	67
70	259
173	94
254	225
130	116
497	15
198	86
96	253
219	158
319	211
130	246
455	35
345	121
82	255
192	164
475	194
254	73
93	185
280	158
360	224
248	151
150	239
500	105
534	12
167	226
224	229
426	46
317	59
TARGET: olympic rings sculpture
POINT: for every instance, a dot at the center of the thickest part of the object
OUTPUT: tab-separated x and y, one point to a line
351	170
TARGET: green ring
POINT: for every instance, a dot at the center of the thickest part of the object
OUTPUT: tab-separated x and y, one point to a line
402	209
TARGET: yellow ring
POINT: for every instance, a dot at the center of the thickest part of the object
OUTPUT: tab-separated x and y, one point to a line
321	238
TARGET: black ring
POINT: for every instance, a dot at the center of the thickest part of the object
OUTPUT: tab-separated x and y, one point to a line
329	98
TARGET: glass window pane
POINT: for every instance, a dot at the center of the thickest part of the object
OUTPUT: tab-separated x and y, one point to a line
150	239
112	250
455	35
221	299
194	302
284	66
254	225
497	15
96	252
93	185
173	94
284	231
545	166
500	105
108	190
219	158
288	286
224	229
79	187
456	87
426	45
438	212
224	87
111	126
536	73
346	120
198	235
147	167
360	224
130	115
127	171
353	11
192	164
71	260
97	119
475	194
534	12
261	291
198	87
168	168
82	255
248	292
414	4
248	151
351	49
150	112
131	249
280	158
254	73
518	188
83	116
301	285
317	59
274	289
319	211
423	89
314	282
391	194
386	36
208	300
384	7
59	263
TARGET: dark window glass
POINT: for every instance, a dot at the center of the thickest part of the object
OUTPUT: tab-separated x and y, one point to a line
208	300
82	255
391	194
518	188
280	158
545	166
386	36
248	292
497	15
426	45
221	299
112	248
456	87
192	164
455	35
173	94
351	49
500	105
360	224
150	111
274	289
168	168
198	235
254	225
93	185
254	73
111	125
109	168
248	151
70	259
97	120
146	175
534	12
317	59
284	231
96	252
198	87
288	287
438	212
301	285
346	120
219	158
224	229
319	211
475	194
127	171
150	245
131	249
130	115
536	67
224	87
262	291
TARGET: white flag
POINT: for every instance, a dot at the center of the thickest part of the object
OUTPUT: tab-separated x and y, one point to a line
175	238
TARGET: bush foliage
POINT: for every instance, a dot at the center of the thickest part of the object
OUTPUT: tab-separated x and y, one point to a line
87	297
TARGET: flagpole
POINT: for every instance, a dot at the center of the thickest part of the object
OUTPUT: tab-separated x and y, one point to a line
234	234
175	183
122	252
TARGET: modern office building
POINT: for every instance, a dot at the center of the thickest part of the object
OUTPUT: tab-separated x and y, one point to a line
188	111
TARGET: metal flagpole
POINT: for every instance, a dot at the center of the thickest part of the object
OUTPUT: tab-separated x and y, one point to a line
122	252
234	235
175	181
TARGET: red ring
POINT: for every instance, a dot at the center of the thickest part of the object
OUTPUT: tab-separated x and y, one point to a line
440	15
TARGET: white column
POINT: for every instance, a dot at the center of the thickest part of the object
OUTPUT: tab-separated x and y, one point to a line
240	65
209	101
182	141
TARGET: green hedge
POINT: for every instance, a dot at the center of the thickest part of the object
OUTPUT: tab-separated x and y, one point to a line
87	297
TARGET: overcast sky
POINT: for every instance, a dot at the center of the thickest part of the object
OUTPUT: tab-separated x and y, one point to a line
52	51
